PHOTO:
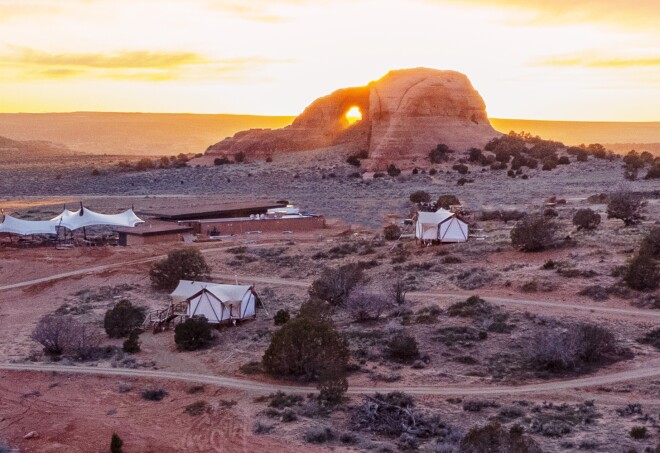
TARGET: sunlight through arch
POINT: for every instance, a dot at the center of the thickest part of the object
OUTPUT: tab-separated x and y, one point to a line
353	115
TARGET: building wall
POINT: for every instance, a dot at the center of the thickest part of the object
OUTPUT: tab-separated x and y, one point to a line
132	239
265	225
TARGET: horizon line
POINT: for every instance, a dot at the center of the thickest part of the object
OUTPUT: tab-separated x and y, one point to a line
294	116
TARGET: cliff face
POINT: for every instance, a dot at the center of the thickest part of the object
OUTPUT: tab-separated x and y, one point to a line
404	116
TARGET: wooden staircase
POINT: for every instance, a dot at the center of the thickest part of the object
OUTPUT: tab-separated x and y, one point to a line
159	320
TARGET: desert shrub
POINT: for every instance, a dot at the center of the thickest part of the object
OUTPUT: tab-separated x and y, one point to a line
334	285
392	232
586	219
319	435
261	428
642	273
625	206
132	343
64	335
239	157
650	244
533	233
252	367
654	171
473	306
512	215
392	170
145	164
281	317
652	338
563	160
332	384
395	414
193	334
397	291
116	444
420	196
494	437
460	168
433	172
638	432
363	305
281	400
122	319
54	333
550	212
474	278
402	348
440	154
475	155
221	161
595	292
183	264
353	160
197	408
306	347
154	394
477	405
445	201
580	345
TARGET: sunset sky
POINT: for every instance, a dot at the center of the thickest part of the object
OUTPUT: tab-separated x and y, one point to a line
534	59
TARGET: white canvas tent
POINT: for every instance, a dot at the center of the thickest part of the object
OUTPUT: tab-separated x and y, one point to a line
441	225
26	227
217	303
74	220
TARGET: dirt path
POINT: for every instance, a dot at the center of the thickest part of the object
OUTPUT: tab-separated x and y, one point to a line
648	370
458	294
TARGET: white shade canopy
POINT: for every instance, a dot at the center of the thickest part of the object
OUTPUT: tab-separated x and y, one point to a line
26	227
84	217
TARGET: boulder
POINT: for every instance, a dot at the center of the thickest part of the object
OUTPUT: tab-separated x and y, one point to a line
405	115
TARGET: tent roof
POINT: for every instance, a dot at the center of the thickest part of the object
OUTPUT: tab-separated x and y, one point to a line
25	227
225	293
84	217
434	217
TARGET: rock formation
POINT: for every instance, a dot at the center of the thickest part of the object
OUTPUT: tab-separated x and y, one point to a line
405	115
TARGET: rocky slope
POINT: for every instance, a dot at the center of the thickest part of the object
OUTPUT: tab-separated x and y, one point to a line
405	115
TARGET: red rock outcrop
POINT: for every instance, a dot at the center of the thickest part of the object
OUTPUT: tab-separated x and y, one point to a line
404	116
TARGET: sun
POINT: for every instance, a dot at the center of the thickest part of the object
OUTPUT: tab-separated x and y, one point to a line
353	115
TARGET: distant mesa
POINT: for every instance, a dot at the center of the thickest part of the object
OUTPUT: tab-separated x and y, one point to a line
405	115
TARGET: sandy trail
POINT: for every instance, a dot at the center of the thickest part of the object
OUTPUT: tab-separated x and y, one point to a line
648	370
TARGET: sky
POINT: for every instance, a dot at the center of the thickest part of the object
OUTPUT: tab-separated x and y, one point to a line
593	60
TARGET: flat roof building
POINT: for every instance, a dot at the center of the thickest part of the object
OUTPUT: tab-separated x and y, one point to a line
218	211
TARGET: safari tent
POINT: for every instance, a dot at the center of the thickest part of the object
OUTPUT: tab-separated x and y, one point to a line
217	303
442	226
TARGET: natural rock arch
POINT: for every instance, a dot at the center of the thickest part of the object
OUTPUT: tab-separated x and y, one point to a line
404	116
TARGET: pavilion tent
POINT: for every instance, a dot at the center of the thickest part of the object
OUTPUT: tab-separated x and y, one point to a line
217	303
441	225
27	227
74	220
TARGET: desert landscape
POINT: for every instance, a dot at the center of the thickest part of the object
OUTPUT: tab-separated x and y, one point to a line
393	268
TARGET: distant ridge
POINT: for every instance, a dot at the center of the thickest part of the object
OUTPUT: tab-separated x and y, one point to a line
167	134
12	149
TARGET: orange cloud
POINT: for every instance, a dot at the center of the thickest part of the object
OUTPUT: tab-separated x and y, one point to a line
592	61
625	13
129	65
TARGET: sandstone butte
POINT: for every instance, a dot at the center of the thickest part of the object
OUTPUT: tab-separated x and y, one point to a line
405	115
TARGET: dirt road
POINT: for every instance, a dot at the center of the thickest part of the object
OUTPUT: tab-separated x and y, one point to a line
648	370
430	295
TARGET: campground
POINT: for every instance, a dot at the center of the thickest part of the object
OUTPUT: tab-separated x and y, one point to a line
88	281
